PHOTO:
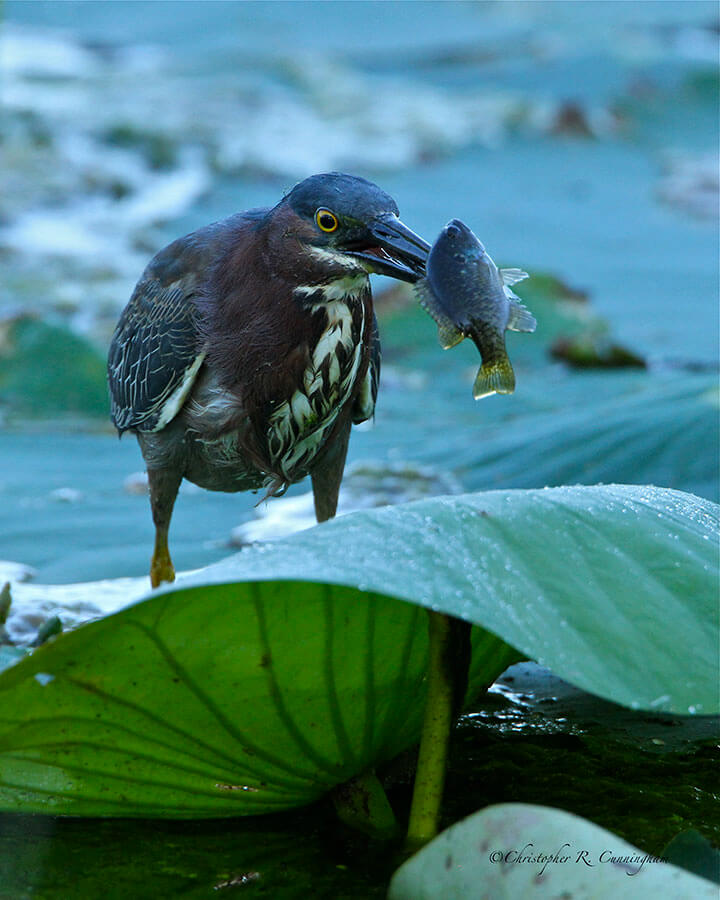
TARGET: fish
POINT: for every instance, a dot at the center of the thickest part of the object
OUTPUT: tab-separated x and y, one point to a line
468	296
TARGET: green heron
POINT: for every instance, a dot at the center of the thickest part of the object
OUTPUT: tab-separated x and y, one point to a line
250	347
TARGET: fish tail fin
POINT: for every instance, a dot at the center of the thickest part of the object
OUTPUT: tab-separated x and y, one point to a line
521	319
494	377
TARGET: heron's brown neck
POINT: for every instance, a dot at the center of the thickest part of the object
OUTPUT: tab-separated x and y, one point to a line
266	307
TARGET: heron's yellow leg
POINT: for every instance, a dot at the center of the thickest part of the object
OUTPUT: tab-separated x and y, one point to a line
163	484
161	567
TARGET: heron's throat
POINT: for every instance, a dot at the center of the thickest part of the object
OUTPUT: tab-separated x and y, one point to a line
349	289
334	263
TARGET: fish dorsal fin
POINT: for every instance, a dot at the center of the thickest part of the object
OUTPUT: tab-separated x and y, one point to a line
427	300
448	333
512	276
521	319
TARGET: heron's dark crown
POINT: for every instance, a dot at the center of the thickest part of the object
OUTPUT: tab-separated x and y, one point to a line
346	195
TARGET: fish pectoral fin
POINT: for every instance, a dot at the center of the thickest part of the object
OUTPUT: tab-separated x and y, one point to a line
448	335
495	377
521	319
512	276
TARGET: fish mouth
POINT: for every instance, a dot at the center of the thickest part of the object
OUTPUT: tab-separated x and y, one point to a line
391	248
457	230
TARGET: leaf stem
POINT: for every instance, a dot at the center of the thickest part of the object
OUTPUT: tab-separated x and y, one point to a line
435	737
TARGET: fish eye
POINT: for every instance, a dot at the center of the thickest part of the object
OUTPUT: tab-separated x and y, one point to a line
325	220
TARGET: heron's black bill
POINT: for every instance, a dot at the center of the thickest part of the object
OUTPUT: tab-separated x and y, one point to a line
399	252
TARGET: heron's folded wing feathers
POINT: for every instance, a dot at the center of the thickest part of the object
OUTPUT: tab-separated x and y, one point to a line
154	353
364	405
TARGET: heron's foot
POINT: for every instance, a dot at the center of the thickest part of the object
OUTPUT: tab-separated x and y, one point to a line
161	569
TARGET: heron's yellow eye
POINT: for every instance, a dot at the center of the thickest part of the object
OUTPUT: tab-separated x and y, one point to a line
326	221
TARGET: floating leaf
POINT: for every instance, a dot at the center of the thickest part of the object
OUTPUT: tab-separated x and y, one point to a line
622	427
45	369
691	851
663	432
517	850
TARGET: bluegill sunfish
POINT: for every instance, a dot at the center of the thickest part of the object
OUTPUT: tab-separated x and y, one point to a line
468	296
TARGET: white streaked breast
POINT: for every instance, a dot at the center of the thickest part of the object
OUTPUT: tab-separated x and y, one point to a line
299	426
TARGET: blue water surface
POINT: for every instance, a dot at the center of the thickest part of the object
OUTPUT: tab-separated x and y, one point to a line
588	207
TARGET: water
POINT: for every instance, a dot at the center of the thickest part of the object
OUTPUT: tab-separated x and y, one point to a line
454	111
124	130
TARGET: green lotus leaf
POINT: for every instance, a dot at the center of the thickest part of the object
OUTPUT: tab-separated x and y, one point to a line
604	585
260	683
219	700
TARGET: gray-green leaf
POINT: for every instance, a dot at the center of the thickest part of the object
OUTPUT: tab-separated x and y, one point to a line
516	850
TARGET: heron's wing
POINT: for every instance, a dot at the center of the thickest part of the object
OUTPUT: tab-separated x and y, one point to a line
154	354
364	405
